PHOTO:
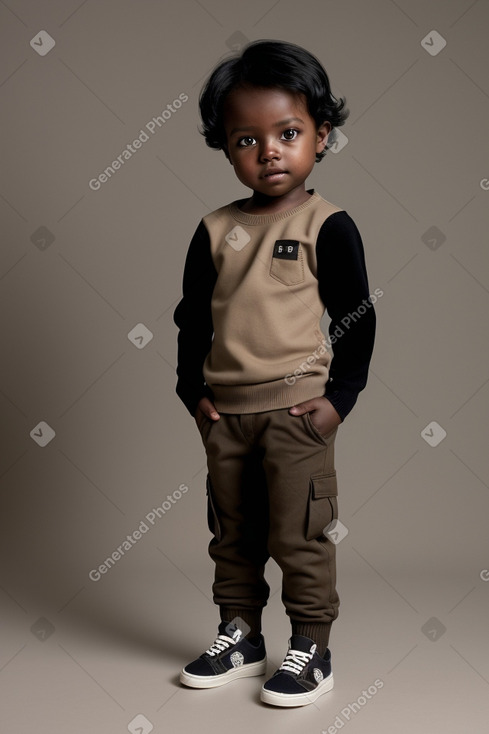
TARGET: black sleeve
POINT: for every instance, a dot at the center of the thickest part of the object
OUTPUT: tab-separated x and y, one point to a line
194	320
344	290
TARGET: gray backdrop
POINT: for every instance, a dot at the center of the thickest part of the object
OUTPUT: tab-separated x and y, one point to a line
97	452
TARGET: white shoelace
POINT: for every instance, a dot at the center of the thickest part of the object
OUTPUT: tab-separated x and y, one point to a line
295	661
221	643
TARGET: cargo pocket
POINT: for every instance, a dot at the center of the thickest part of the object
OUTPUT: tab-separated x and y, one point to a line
212	518
287	268
323	505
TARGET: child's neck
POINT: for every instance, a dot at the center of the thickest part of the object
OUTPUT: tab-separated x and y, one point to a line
261	204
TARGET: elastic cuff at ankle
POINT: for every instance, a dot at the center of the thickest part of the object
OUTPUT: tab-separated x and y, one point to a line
315	631
248	620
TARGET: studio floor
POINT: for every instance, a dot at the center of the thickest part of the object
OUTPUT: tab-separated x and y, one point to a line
409	655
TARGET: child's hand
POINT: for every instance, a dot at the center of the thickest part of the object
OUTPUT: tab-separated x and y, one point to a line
323	414
205	409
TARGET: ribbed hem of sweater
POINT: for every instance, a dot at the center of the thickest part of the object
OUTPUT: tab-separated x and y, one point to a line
268	395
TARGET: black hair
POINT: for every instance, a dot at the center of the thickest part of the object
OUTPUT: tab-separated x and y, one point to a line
269	64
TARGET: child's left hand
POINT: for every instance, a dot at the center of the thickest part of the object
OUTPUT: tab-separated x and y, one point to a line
323	414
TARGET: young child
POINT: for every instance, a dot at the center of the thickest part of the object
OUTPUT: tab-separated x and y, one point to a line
254	369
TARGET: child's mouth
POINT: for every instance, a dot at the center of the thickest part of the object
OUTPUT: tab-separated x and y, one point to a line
275	175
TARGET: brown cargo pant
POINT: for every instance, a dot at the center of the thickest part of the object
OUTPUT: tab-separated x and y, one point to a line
272	490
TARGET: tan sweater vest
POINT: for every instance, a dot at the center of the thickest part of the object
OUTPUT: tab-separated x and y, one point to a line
268	349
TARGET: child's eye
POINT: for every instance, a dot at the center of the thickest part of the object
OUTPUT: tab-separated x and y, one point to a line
245	142
290	134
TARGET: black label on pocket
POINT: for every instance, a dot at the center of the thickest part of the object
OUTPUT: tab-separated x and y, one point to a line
286	249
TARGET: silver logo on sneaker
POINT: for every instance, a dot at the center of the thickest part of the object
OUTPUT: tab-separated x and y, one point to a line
318	675
237	659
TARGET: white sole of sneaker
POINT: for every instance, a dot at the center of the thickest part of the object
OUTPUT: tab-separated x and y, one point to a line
297	699
214	681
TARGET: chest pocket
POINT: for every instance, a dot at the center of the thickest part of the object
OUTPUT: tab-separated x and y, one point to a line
287	262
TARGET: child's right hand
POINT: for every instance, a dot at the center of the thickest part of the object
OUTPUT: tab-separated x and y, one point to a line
205	409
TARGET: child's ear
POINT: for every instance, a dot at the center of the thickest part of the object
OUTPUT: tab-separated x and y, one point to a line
322	136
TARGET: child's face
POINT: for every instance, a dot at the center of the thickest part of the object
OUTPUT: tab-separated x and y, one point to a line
272	140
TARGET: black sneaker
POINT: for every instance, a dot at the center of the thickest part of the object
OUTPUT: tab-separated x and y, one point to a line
230	656
302	678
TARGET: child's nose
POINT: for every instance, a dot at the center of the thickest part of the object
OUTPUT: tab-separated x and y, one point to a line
270	151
